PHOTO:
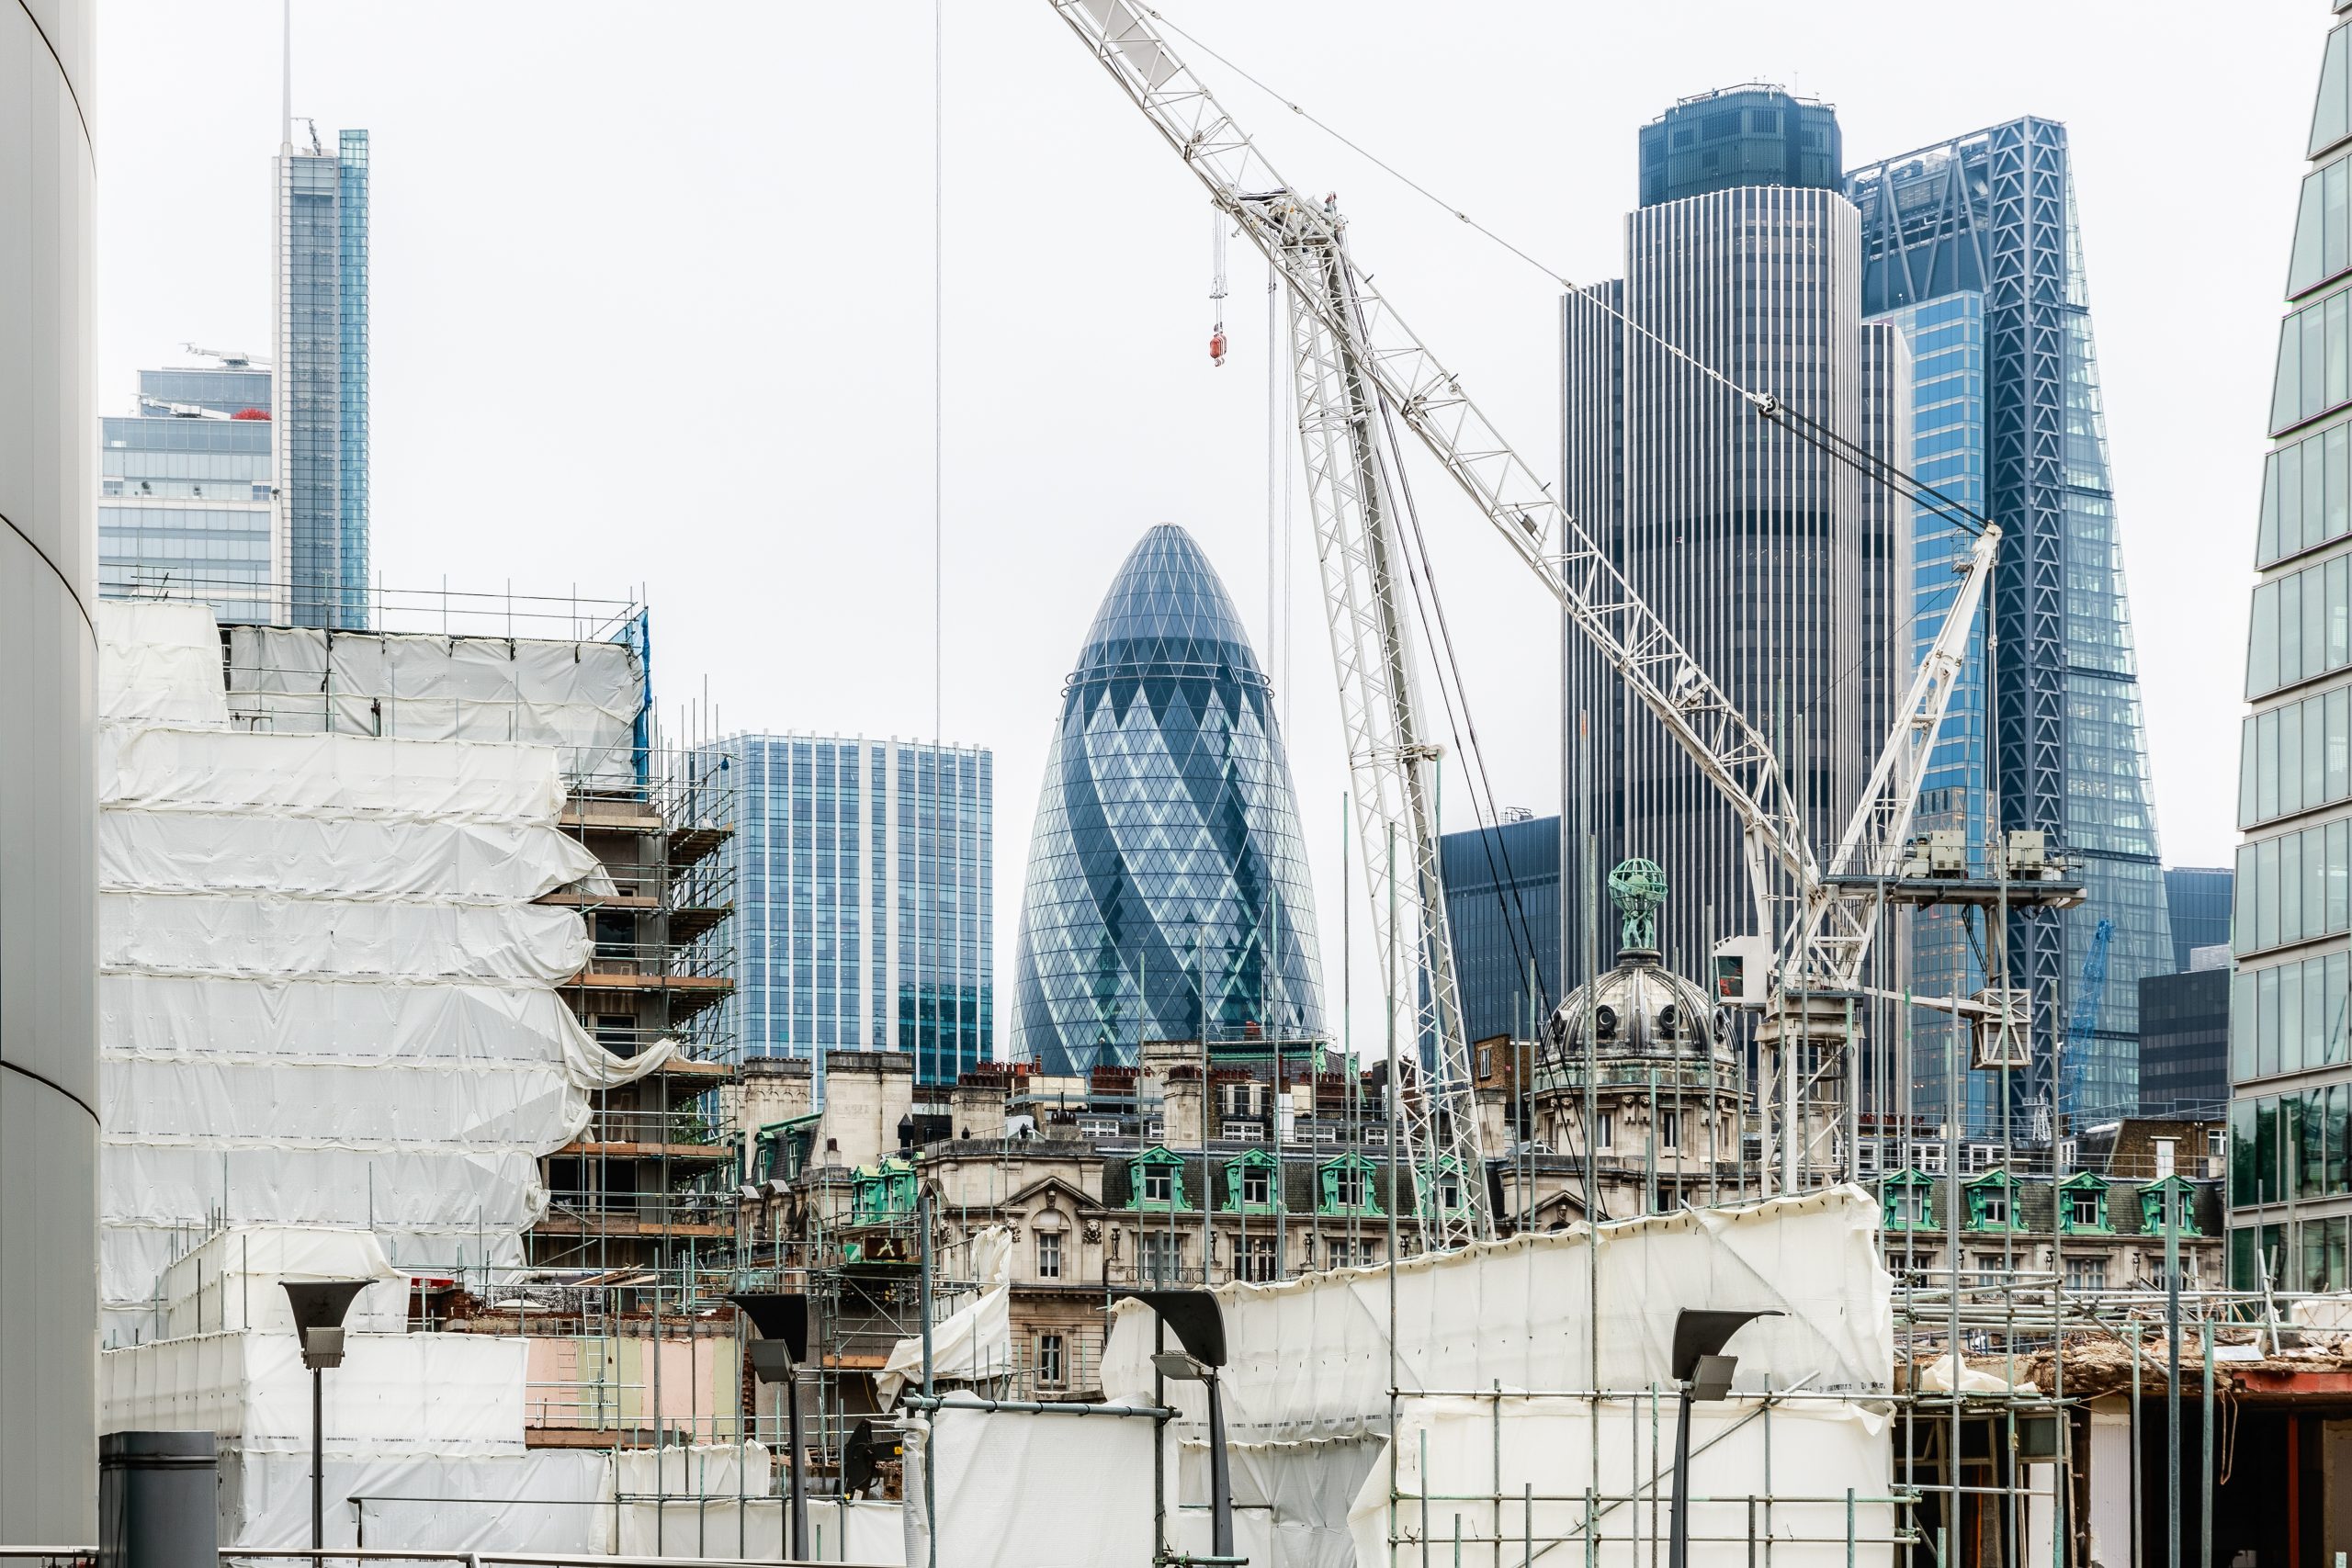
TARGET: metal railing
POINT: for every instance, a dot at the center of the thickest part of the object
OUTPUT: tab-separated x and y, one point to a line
683	1125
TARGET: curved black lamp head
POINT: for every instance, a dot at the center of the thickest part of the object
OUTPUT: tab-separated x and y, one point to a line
320	1306
1193	1316
779	1315
1700	1334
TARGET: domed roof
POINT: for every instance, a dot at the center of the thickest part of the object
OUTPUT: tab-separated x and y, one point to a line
1168	613
1640	1007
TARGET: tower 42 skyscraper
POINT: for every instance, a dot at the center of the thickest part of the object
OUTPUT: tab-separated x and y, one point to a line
1772	561
1168	891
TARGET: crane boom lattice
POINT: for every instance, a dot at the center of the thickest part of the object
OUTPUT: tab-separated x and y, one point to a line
1358	362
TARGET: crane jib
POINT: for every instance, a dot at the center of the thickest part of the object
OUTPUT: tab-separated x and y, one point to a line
1355	357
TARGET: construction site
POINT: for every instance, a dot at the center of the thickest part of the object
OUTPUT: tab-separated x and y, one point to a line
445	1217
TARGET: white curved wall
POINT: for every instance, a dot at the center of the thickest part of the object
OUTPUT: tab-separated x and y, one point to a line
48	858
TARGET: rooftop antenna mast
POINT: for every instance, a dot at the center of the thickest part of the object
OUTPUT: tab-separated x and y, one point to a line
286	89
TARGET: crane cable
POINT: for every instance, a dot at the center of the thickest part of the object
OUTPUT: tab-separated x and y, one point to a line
1872	466
1804	428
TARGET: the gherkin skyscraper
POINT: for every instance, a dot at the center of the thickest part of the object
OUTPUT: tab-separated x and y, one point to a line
1166	873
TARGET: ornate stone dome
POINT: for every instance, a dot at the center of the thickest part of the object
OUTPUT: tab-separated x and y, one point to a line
1640	1007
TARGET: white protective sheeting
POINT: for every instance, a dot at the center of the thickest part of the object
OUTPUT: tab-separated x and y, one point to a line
342	857
1025	1491
268	937
234	1279
1539	1455
546	1501
973	1342
158	662
1309	1361
327	997
840	1532
1290	1500
395	1393
1310	1357
583	698
177	768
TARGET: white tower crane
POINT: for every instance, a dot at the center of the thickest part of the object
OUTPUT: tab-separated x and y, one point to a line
1356	364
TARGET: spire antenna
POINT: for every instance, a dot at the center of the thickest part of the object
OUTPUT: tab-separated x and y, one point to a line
286	82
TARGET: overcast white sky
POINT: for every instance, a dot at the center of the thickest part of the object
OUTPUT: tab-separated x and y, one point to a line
653	295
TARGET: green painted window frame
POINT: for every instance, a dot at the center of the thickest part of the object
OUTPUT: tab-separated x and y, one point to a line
1157	1157
2085	1182
2152	1201
1327	1188
1977	1189
1890	1218
1236	1171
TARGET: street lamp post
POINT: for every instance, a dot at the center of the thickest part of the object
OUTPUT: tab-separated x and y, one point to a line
1199	1326
1704	1374
782	1319
318	1309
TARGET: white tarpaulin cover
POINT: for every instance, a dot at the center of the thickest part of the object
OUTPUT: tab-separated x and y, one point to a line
840	1531
546	1500
159	661
395	1393
583	698
234	1278
1539	1455
1025	1491
971	1343
1310	1355
1307	1377
326	995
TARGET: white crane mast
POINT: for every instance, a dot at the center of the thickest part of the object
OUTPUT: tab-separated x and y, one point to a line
1355	357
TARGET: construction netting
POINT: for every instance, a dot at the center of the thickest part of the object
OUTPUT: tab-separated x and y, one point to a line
583	698
326	995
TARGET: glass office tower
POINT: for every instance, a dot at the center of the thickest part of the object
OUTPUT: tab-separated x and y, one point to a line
2290	1070
1971	246
322	403
1168	895
184	487
2198	900
1502	912
1776	567
863	899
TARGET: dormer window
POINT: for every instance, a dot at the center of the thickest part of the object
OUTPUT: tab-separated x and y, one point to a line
1157	1186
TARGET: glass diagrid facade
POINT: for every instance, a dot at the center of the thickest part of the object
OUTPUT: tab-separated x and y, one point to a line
862	887
1972	247
1167	889
323	382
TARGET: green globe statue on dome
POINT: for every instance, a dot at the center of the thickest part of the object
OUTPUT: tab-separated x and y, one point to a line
1637	887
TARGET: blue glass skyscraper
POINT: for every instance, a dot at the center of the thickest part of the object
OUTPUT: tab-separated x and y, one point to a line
1972	247
322	403
1168	891
862	898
